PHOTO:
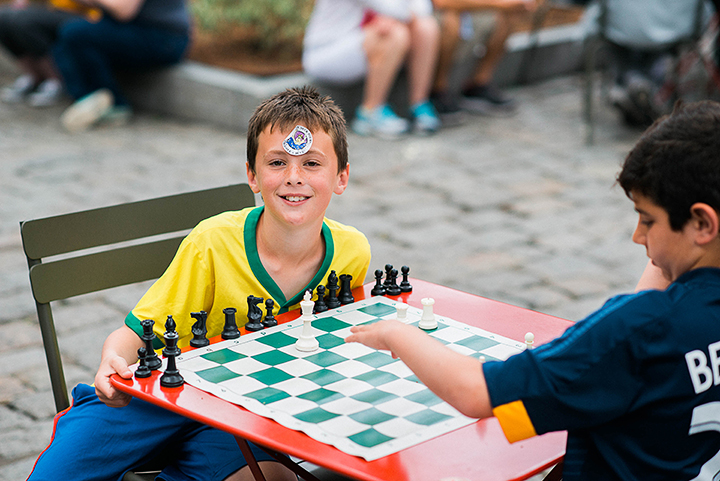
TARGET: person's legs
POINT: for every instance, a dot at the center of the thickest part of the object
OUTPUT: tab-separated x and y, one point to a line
422	59
449	40
494	51
386	45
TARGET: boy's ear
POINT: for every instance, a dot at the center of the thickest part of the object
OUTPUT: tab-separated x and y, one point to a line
343	178
706	222
252	179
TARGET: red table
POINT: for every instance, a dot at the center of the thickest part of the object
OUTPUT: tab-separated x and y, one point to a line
475	452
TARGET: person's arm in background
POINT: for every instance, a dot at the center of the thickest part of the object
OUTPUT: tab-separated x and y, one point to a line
652	278
469	5
120	10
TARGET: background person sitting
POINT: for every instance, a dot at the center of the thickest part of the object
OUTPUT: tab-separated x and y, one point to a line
28	31
350	40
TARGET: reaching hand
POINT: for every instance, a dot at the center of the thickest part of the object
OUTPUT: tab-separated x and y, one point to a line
375	335
104	390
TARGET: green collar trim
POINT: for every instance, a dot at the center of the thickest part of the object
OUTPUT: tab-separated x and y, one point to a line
250	237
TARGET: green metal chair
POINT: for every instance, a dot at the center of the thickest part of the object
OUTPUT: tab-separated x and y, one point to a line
83	252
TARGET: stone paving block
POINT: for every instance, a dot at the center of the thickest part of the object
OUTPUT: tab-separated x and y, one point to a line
19	334
38	406
11	389
19	443
17	470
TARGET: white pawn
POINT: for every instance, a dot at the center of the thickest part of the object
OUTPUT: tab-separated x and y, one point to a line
306	342
427	321
529	340
402	312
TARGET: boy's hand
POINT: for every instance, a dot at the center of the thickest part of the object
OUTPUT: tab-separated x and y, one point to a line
104	390
375	335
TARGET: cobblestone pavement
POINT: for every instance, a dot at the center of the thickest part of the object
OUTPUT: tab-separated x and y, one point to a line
515	209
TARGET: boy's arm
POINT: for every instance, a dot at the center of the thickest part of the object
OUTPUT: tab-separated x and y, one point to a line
119	350
652	278
455	378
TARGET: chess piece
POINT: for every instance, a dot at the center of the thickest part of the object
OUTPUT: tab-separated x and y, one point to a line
405	284
345	296
388	269
401	309
427	321
230	330
269	320
142	370
171	377
199	329
379	288
320	305
306	342
254	314
392	289
529	340
151	358
332	300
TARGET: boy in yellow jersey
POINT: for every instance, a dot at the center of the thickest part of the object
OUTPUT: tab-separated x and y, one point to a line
297	159
637	383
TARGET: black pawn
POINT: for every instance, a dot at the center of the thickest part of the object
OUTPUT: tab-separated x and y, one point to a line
388	271
254	314
199	329
345	296
152	360
171	377
332	300
142	370
230	330
393	289
269	320
320	305
379	288
405	284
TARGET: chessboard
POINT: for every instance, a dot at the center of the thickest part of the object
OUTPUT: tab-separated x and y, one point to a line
358	399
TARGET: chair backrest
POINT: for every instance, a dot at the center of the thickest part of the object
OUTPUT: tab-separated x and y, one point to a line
82	252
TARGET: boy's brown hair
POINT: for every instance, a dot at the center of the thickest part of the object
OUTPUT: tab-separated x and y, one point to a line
302	106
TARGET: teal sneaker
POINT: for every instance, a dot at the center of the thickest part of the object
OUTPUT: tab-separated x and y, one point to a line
380	122
425	118
87	111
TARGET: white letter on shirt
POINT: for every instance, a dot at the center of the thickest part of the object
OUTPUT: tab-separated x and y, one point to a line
697	366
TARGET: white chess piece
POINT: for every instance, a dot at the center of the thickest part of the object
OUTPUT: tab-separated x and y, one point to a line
402	309
427	321
529	340
306	342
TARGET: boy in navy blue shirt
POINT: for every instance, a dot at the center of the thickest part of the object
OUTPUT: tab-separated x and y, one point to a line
635	384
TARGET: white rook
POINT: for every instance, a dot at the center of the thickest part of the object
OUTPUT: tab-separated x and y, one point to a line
427	321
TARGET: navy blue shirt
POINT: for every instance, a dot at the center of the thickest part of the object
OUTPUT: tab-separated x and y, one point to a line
635	384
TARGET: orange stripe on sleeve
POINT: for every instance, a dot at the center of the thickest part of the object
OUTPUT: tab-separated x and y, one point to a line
514	421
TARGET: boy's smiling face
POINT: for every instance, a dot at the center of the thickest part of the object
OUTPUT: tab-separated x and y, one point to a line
297	188
672	251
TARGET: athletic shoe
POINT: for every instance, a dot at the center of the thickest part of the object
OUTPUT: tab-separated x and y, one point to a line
447	109
20	89
380	121
48	93
87	111
486	100
116	116
425	118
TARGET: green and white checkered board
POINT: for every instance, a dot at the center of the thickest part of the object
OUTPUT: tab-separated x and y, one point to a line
358	399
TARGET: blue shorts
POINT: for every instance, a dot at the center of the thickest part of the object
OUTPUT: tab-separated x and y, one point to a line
92	441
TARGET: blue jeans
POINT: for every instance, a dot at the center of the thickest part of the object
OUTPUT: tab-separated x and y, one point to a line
89	54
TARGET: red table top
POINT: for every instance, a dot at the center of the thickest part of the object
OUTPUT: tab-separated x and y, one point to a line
476	452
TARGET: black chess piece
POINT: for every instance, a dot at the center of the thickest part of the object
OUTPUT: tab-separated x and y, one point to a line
379	288
393	289
254	314
320	305
142	370
230	330
199	329
405	284
388	270
269	320
332	300
151	358
171	377
345	296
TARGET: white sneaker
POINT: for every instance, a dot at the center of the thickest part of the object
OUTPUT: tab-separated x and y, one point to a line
20	89
48	93
87	111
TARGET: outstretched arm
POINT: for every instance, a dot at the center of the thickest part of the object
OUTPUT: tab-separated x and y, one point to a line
455	378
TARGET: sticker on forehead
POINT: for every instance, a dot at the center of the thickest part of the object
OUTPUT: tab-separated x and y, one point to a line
298	142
